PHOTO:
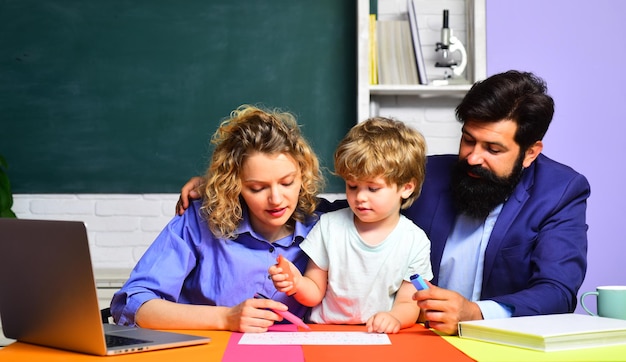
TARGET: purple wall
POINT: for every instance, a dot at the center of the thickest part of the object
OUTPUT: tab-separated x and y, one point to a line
579	48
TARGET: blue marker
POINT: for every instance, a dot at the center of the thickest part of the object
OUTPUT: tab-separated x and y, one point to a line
418	282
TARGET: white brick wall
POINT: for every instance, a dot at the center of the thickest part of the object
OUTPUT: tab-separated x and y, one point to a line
119	227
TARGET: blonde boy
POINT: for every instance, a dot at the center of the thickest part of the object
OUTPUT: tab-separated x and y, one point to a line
361	257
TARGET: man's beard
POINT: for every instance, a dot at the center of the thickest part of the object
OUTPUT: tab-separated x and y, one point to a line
478	196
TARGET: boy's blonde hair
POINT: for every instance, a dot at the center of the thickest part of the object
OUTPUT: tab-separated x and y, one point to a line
382	147
249	130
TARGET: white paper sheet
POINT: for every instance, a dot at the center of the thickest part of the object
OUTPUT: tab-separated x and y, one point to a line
322	338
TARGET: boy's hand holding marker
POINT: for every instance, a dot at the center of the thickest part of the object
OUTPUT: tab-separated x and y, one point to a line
283	276
284	265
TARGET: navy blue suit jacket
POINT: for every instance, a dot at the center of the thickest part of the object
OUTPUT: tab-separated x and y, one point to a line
536	258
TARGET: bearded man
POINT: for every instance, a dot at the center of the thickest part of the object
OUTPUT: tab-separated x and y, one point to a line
507	224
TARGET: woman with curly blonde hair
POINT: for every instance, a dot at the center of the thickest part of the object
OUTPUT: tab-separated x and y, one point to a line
251	130
258	201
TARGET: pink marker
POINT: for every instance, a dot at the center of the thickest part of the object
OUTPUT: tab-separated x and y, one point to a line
285	314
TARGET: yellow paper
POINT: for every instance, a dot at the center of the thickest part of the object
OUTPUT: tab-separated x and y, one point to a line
484	351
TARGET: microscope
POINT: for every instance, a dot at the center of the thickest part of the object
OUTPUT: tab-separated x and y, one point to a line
449	45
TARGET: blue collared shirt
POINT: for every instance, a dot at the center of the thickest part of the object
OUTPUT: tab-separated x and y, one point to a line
462	262
188	264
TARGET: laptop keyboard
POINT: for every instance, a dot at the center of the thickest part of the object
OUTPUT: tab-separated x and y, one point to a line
117	341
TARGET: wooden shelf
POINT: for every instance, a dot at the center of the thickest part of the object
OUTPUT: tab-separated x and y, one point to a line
457	90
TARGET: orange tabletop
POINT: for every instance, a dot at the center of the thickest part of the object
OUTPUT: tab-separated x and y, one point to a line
415	343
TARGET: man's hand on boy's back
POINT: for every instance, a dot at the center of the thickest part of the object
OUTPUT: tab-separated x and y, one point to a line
187	193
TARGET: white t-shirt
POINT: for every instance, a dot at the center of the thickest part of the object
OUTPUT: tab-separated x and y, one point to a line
363	280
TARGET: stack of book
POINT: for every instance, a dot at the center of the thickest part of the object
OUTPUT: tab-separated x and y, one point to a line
395	50
552	332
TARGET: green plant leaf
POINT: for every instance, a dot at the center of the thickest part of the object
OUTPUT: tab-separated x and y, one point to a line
8	214
6	197
3	164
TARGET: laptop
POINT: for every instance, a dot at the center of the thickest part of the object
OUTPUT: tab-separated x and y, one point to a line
48	293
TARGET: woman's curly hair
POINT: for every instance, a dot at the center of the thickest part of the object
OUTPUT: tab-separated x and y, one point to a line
250	130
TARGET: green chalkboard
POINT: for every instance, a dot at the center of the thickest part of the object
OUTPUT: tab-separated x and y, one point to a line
122	96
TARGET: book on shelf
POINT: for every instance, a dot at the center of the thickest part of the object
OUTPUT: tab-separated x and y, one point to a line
552	332
417	44
373	51
396	59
